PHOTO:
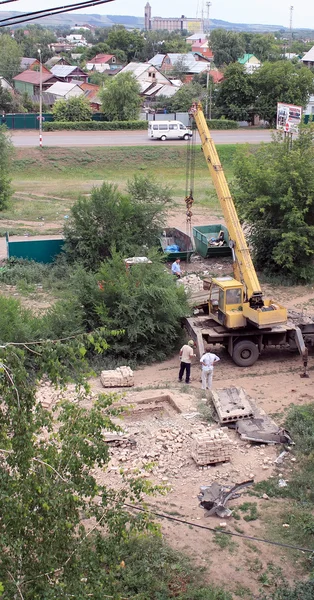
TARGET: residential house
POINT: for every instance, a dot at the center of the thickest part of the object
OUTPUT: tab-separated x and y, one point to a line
191	63
308	58
58	47
56	60
199	43
91	91
29	81
77	39
103	62
32	64
69	73
217	76
64	90
152	82
250	62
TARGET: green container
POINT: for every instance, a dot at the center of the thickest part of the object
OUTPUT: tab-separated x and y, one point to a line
170	236
202	235
44	251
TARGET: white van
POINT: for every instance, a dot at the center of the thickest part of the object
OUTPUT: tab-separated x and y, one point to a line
168	130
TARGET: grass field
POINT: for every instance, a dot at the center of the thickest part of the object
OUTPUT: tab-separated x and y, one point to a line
46	182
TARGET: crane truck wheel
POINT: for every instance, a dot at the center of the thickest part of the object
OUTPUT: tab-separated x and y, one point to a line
245	353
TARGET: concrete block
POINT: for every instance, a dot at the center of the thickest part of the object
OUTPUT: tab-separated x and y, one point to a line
231	404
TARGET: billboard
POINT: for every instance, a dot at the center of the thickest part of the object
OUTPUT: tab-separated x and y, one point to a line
288	117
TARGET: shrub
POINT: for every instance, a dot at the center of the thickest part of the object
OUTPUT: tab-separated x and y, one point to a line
109	219
73	109
222	124
93	125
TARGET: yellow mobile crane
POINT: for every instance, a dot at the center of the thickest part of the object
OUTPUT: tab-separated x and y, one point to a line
247	321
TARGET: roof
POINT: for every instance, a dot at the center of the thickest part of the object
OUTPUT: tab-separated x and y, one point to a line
51	62
47	98
33	77
216	76
90	86
167	90
27	62
197	36
188	61
65	70
309	56
136	68
100	58
245	58
157	60
61	88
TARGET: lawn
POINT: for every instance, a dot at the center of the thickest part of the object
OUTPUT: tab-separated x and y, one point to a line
47	181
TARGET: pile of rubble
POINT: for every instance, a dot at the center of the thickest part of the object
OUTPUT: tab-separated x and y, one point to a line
120	377
211	448
191	283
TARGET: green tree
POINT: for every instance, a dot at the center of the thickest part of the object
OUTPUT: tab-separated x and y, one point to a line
131	42
76	108
281	81
121	98
184	97
10	57
6	155
6	100
227	46
110	218
235	95
275	196
180	68
148	305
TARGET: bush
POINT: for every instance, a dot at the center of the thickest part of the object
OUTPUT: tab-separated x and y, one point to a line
222	124
109	219
73	109
93	125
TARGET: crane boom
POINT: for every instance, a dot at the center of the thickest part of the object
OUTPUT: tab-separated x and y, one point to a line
242	263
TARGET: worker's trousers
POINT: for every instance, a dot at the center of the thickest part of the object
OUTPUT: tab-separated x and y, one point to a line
207	378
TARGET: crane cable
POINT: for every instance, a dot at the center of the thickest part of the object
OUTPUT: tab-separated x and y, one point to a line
189	179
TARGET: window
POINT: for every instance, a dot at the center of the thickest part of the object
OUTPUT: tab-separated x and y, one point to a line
171	127
155	126
234	296
113	59
149	74
221	299
163	127
182	127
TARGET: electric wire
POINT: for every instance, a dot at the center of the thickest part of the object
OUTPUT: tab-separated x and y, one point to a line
240	535
39	14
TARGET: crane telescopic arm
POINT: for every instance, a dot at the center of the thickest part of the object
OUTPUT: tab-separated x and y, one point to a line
243	267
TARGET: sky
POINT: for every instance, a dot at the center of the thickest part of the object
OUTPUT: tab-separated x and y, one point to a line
272	12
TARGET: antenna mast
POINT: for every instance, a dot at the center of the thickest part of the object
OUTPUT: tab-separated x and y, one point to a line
291	21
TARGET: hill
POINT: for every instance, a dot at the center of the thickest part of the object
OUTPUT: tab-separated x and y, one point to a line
129	21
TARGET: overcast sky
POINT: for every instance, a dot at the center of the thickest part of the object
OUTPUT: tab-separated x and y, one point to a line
273	12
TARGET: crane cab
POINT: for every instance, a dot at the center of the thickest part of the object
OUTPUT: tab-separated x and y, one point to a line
226	302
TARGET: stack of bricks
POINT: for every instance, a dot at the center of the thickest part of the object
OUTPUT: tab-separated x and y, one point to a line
213	447
120	377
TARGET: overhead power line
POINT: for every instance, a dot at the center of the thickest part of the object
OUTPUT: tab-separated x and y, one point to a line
232	533
39	14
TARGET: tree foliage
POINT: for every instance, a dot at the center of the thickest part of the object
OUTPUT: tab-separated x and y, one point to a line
227	46
10	57
6	154
275	196
76	108
121	98
184	97
146	303
281	81
131	42
109	218
235	95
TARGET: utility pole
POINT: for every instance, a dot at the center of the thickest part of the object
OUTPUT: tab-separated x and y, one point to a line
40	100
208	5
208	89
291	21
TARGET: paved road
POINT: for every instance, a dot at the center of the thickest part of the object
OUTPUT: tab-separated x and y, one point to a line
129	138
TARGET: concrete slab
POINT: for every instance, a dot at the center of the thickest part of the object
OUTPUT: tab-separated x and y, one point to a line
232	404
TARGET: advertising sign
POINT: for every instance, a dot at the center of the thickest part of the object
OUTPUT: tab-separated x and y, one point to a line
288	117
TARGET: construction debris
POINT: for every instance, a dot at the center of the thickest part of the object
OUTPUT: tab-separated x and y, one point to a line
231	404
235	408
120	377
213	498
213	447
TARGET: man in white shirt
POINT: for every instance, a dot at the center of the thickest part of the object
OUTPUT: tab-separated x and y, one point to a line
186	354
207	361
176	269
